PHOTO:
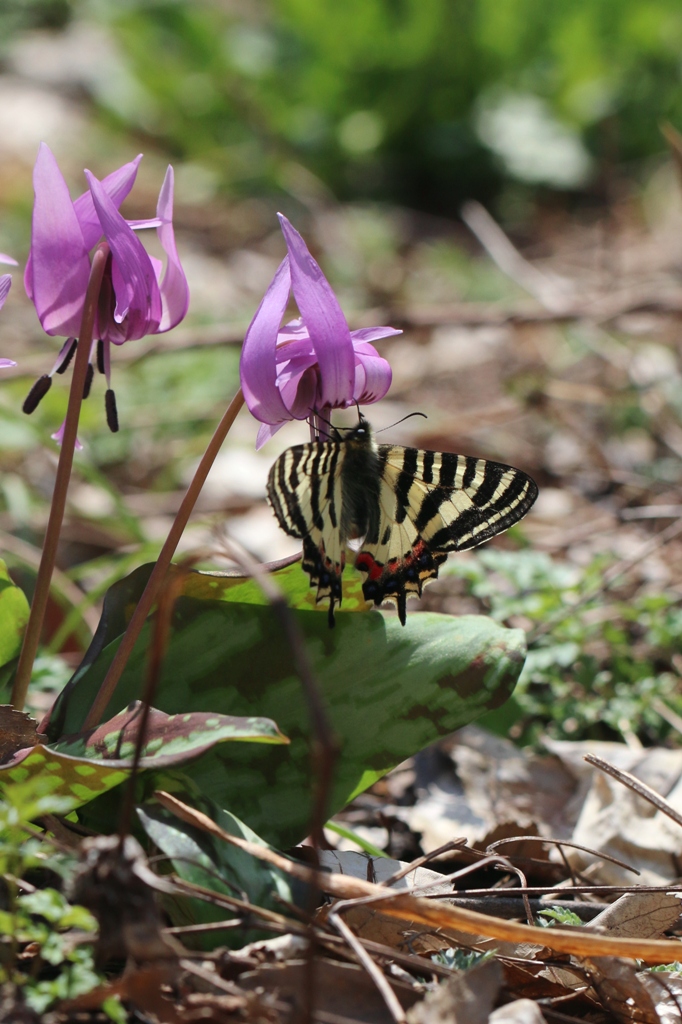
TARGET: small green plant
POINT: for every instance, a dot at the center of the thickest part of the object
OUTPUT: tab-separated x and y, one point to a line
461	959
557	915
46	946
599	660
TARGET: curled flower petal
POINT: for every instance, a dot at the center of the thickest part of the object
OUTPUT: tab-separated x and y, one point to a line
324	319
116	185
58	267
138	300
257	368
374	333
372	374
4	363
174	289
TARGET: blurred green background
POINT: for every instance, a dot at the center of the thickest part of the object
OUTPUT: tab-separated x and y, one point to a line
420	102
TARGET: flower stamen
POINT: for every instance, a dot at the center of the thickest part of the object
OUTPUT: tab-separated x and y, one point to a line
37	393
89	376
65	356
111	411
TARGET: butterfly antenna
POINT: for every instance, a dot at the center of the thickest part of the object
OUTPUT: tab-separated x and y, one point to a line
409	416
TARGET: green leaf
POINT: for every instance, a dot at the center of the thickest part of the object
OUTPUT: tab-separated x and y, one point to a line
81	767
390	691
14	611
207	861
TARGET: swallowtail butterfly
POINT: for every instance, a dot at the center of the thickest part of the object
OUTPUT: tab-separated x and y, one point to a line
405	508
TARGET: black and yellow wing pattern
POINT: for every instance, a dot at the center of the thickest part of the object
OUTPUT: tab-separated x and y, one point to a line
404	508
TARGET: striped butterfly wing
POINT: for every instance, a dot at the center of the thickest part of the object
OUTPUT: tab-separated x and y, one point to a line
304	490
432	503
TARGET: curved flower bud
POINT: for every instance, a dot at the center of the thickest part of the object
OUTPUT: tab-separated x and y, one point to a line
137	296
314	362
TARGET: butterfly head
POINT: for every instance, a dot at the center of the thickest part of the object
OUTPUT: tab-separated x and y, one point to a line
360	436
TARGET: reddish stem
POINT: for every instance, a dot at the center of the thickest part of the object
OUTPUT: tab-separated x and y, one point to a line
36	618
158	576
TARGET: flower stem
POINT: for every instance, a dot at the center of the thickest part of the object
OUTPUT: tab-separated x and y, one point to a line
158	576
36	618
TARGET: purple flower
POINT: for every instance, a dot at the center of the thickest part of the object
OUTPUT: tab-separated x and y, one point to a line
136	298
5	285
314	363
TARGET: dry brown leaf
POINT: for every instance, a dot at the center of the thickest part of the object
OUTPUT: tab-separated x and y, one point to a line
521	1011
666	992
615	820
621	991
465	998
494	790
17	730
645	915
344	990
140	987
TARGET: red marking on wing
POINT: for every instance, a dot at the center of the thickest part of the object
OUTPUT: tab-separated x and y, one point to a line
367	563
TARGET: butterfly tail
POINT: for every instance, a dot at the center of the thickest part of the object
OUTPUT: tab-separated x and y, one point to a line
325	574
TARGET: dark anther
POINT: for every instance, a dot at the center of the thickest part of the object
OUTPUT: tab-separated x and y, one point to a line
88	381
100	356
37	392
112	414
68	357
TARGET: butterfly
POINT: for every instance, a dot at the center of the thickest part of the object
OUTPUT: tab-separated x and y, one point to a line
405	509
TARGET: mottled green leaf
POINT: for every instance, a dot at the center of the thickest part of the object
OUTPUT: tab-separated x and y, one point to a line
89	764
390	691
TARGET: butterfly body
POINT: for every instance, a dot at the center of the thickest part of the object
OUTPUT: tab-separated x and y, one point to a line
406	507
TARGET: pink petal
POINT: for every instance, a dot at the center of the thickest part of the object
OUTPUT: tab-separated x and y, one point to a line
374	333
257	366
137	294
5	285
58	267
117	185
8	259
372	374
58	436
300	393
293	359
174	289
4	363
141	225
266	431
322	315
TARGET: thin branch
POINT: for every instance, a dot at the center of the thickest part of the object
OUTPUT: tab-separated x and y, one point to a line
158	576
637	786
559	843
325	747
157	651
41	594
441	915
375	973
